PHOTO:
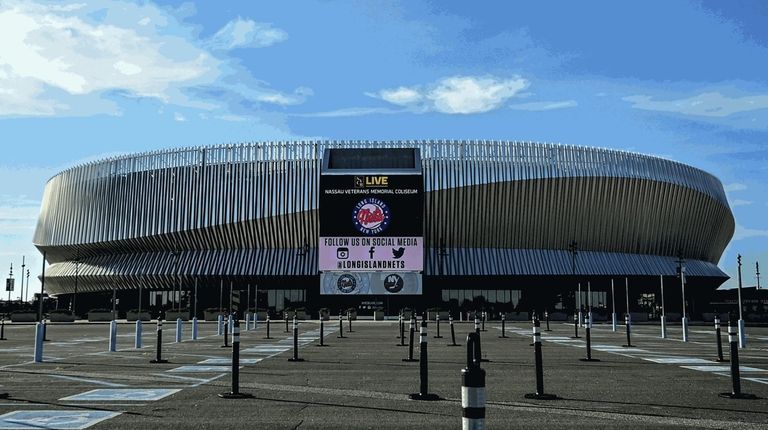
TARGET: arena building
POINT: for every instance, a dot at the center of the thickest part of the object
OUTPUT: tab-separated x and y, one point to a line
498	225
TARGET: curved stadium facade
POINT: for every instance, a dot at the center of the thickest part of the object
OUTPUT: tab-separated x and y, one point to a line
498	221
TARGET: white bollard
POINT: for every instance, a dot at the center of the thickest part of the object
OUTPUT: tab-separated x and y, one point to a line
255	320
247	321
137	340
742	334
613	321
38	343
194	328
112	336
178	330
663	326
220	325
685	329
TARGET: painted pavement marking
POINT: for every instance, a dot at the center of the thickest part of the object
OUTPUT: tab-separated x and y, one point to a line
758	380
53	419
124	394
677	360
201	369
723	368
90	381
229	361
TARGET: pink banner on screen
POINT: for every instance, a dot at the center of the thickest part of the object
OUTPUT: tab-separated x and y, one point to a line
368	254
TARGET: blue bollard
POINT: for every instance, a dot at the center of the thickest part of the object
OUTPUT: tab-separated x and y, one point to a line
178	330
194	328
137	341
38	343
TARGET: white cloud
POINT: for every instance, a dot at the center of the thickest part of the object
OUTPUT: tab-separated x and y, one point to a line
735	186
456	94
80	59
179	117
711	104
741	202
348	112
401	96
246	33
543	106
746	233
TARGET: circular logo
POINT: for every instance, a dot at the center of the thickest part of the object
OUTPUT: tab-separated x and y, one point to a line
346	283
393	283
370	216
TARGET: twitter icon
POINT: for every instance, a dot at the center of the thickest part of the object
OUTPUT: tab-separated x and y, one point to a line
398	253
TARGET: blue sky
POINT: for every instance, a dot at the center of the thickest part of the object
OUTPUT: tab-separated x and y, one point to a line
684	80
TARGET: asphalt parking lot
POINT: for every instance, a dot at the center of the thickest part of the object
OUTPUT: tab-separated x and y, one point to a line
361	381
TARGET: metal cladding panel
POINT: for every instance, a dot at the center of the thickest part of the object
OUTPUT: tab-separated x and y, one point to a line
494	207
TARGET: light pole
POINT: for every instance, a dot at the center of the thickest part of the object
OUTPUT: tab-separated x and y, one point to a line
757	274
742	329
27	295
74	298
613	307
681	270
663	311
9	284
573	247
23	266
42	290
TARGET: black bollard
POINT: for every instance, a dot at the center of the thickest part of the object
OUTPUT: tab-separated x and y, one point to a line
719	339
235	392
733	339
400	325
295	341
539	394
546	317
477	325
437	324
472	389
402	331
423	393
482	328
159	349
410	341
341	327
453	333
628	324
349	320
575	326
285	317
2	328
588	328
226	331
503	326
267	337
322	336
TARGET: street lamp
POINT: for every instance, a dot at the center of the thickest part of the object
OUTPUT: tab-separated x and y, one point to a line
9	284
573	247
757	274
74	298
23	266
681	270
742	329
27	296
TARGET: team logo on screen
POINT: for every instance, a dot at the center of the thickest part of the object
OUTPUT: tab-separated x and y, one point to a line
371	216
346	284
393	283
